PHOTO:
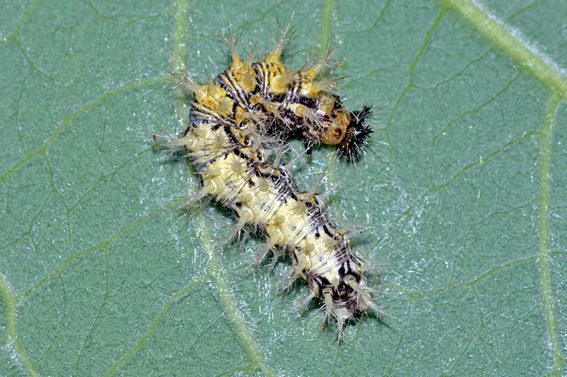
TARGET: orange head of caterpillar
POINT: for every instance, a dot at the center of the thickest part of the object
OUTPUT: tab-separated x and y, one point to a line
348	132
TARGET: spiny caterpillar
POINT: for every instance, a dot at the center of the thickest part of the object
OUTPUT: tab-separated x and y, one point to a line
235	122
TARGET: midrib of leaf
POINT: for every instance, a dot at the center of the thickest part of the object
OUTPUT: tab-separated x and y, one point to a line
507	40
547	72
229	303
544	232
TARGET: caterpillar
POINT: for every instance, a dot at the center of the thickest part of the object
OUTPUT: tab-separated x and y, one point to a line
235	123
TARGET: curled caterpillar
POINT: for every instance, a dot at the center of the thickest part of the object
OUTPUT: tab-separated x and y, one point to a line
234	121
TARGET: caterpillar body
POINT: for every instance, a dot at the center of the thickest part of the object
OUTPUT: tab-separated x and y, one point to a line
233	122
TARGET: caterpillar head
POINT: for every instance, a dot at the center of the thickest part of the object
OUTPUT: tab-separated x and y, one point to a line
352	144
348	132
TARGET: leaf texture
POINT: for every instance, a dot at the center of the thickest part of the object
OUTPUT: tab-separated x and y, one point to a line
461	199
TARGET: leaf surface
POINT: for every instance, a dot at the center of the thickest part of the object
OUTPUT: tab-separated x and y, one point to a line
461	197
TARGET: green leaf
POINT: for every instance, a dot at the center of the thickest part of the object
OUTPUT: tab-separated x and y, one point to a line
461	196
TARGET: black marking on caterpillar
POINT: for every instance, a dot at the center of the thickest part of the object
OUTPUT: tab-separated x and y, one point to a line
234	121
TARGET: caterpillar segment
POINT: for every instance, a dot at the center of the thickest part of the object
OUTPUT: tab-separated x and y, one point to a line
230	120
